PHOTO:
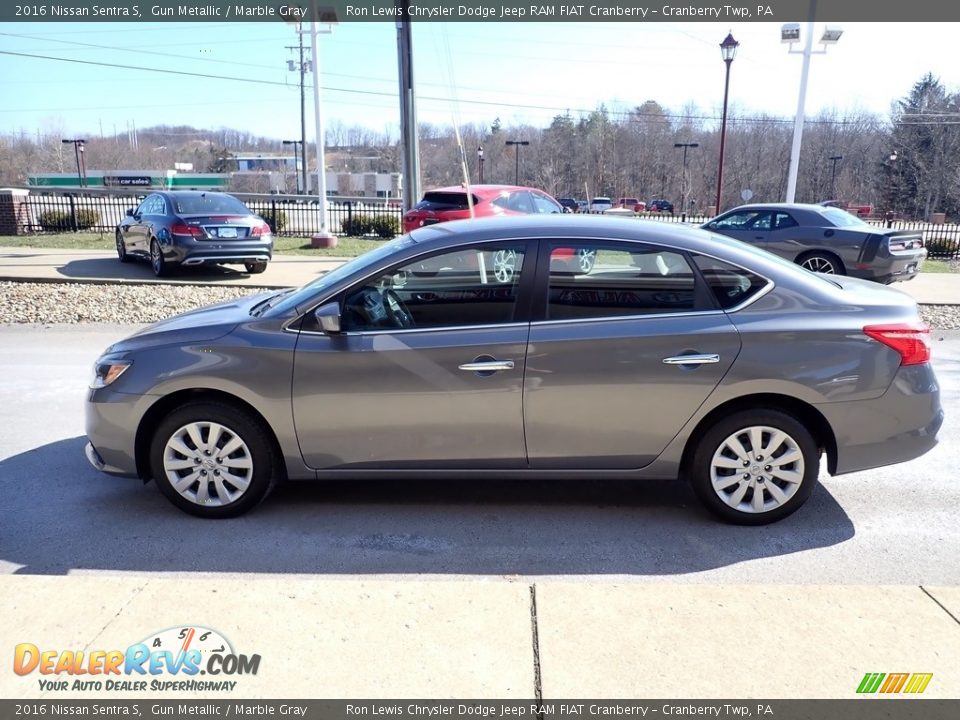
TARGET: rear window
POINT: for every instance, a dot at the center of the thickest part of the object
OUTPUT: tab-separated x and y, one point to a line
730	285
841	218
445	201
208	204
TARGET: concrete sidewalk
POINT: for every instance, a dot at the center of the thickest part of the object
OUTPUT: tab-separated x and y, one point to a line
489	638
25	264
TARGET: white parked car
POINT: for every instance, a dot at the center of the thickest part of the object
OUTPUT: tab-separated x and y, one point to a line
600	204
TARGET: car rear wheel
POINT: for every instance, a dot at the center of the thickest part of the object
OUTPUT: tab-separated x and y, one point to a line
157	261
122	249
755	467
822	262
255	268
212	460
586	259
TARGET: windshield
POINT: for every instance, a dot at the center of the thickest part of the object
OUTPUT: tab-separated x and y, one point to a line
841	218
357	265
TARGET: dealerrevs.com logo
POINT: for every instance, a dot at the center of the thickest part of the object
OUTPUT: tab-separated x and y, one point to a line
172	659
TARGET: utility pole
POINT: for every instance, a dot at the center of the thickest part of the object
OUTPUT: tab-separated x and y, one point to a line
683	178
833	175
516	146
408	107
304	67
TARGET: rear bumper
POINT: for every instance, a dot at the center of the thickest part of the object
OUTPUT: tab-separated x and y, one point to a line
899	426
189	251
892	268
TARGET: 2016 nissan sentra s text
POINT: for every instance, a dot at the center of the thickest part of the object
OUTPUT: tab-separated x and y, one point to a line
480	349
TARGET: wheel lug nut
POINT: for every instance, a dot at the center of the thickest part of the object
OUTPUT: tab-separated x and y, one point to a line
746	476
767	468
216	472
759	458
746	463
203	472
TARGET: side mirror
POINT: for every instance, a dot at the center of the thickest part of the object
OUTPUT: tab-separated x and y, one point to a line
129	212
328	317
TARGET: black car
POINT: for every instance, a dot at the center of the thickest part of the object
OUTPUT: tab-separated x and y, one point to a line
569	204
194	228
826	240
660	206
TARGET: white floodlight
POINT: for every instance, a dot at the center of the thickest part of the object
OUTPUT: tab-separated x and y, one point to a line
790	33
831	34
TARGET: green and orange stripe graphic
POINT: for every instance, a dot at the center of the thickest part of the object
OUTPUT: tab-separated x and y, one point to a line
907	683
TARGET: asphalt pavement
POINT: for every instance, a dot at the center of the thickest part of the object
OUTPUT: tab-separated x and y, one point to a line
464	589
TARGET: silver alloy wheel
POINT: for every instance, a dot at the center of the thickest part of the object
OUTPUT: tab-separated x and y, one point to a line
504	265
208	463
820	264
586	259
757	469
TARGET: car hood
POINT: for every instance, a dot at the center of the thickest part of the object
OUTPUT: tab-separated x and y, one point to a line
200	325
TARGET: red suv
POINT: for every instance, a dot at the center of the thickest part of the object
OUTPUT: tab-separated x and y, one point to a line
451	203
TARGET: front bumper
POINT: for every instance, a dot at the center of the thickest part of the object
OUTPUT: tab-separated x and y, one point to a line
112	420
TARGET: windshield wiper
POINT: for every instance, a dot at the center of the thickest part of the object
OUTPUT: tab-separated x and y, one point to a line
267	303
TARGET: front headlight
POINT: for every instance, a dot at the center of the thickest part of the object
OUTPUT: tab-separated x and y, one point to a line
107	369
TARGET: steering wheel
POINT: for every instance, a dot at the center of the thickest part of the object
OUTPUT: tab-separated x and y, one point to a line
396	310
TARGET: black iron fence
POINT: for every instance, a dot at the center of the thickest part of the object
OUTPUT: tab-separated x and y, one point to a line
56	211
96	210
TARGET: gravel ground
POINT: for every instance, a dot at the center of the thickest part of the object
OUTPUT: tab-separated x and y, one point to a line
82	302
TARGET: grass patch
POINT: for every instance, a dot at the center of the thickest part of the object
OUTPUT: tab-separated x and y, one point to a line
937	266
346	247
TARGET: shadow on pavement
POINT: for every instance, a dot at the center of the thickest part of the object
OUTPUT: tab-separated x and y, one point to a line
61	515
139	270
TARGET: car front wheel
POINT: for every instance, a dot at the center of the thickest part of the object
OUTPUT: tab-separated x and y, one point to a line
212	460
755	467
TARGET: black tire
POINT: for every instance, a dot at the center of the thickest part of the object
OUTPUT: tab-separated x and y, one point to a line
822	262
158	263
122	249
798	440
255	268
237	423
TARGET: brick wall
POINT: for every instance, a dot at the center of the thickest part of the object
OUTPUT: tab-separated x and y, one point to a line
14	212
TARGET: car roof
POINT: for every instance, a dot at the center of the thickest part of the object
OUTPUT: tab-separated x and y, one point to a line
481	190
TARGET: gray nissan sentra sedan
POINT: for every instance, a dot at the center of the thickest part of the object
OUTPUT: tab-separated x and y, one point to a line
482	348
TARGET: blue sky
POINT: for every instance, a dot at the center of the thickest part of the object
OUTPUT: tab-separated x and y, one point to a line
519	72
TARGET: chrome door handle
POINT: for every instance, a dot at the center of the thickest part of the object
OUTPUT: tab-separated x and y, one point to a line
706	359
487	366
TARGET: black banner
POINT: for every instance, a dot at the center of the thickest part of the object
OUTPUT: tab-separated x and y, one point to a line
858	709
478	11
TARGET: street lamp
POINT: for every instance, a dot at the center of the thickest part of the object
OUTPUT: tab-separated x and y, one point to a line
683	179
833	175
296	163
516	144
78	152
890	164
728	50
790	33
480	164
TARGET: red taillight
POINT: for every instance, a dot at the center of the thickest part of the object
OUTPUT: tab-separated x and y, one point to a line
184	229
260	230
912	342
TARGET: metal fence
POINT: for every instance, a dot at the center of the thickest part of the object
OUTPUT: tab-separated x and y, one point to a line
288	215
97	210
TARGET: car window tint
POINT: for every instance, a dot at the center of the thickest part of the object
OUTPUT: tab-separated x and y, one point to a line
445	201
600	280
545	205
470	286
783	220
745	220
208	203
730	285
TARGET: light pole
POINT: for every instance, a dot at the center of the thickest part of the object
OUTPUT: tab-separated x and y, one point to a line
516	145
296	162
833	175
790	33
480	165
78	153
891	161
683	179
728	50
